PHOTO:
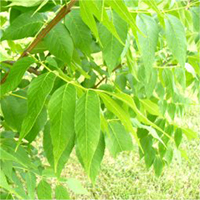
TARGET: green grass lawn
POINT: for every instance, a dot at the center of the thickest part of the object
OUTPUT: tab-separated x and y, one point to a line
127	178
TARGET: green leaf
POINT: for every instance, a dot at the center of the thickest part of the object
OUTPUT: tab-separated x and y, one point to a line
149	151
113	107
150	106
88	18
98	156
59	43
118	139
148	41
3	181
176	39
14	110
158	166
178	137
87	127
171	110
20	156
44	190
196	18
79	31
37	127
151	84
24	26
120	8
168	79
61	112
25	3
97	8
31	184
16	73
153	4
61	192
190	134
38	92
180	76
76	186
168	155
47	144
112	48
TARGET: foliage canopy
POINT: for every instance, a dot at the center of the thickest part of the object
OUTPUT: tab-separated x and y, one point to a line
90	75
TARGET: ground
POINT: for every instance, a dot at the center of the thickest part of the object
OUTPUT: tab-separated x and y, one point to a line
127	178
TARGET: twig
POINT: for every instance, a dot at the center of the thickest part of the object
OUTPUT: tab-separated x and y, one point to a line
118	67
61	14
30	70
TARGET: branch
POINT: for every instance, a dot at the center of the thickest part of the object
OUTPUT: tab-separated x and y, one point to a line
61	14
118	67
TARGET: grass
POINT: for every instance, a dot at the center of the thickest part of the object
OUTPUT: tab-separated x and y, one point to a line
127	178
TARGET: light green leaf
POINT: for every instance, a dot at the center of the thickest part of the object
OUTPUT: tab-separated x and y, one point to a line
16	73
171	110
38	92
3	181
168	155
168	79
151	84
87	127
61	112
196	18
88	18
118	139
59	43
31	184
120	8
79	31
61	192
148	41
76	186
152	4
98	10
180	76
190	134
128	100
112	48
176	39
22	28
44	190
178	137
150	106
25	3
113	107
158	166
